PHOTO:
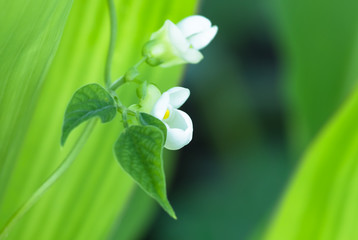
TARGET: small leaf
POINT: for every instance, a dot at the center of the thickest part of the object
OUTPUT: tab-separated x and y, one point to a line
89	101
147	119
139	152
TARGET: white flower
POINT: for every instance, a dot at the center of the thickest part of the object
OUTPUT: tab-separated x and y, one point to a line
180	43
178	123
146	104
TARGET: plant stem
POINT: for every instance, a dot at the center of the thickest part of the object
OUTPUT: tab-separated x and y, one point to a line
66	163
120	81
112	42
142	60
117	83
124	118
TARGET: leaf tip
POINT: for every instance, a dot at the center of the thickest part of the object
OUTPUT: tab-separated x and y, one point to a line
174	216
169	209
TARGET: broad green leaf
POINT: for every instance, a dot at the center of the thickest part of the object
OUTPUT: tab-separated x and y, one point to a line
87	102
320	58
139	152
30	34
147	119
321	201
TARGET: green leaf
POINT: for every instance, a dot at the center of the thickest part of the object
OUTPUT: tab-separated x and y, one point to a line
139	152
321	202
147	119
30	34
89	101
321	62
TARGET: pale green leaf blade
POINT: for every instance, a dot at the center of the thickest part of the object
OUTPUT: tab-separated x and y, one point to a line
139	152
147	119
321	201
29	40
89	101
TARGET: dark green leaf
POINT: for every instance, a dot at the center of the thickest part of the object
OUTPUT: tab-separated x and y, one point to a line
147	119
89	101
139	152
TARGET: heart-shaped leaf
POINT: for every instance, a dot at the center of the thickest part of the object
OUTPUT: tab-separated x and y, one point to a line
89	101
139	152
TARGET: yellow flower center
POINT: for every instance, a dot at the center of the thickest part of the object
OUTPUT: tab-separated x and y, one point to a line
166	115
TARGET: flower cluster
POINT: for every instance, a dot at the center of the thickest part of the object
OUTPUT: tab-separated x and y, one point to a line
155	121
180	43
171	45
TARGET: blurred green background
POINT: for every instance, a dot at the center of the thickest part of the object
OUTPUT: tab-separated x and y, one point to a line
274	76
273	103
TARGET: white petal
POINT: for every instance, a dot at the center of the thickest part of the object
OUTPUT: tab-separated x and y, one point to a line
192	56
177	38
193	25
180	130
173	62
201	40
161	106
178	96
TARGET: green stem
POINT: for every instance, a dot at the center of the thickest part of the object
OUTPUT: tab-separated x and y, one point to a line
112	42
124	118
142	60
66	163
119	82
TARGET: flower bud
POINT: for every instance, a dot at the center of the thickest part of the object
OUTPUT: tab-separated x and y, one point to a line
177	44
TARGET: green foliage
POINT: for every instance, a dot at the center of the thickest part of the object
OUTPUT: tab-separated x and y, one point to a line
321	201
139	152
320	44
87	102
29	38
321	74
41	69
